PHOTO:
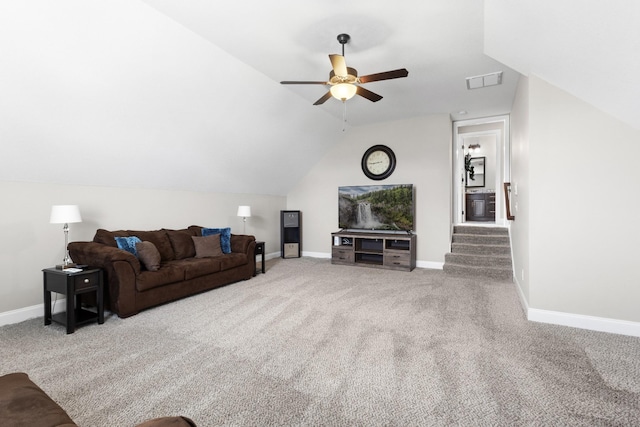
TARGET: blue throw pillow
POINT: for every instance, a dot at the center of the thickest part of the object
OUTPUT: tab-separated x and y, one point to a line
128	244
225	237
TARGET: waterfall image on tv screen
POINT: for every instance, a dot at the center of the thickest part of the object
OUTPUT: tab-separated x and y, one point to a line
376	207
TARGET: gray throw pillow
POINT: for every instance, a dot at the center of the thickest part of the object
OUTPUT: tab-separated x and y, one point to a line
149	255
207	246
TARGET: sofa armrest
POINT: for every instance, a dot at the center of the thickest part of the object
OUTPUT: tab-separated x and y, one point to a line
23	403
242	243
120	269
98	255
168	422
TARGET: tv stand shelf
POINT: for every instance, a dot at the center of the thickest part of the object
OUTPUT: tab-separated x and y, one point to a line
381	250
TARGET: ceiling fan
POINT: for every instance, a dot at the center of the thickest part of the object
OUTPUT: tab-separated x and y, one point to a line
344	81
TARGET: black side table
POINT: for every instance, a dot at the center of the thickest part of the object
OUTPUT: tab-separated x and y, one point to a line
260	251
72	285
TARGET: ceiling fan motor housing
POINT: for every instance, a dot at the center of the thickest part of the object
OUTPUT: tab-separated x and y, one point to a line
351	77
344	38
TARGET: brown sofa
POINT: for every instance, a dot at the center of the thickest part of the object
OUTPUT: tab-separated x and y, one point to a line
131	287
23	403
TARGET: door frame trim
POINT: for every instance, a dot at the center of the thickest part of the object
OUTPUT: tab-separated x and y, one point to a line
503	157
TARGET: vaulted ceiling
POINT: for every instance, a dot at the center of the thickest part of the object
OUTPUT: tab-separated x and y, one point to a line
186	95
439	42
590	49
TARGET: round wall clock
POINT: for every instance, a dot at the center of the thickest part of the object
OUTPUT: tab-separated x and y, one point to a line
378	162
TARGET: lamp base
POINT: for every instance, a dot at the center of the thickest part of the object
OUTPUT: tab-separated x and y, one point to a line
63	266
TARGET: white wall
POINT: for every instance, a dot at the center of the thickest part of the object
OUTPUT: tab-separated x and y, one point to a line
30	243
585	47
576	205
138	100
423	150
583	168
520	186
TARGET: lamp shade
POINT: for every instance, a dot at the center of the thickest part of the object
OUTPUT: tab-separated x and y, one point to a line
343	91
244	211
65	214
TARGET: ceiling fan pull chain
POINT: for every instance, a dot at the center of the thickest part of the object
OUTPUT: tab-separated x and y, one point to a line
344	115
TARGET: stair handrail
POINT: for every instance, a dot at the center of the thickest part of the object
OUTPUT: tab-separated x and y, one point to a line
507	200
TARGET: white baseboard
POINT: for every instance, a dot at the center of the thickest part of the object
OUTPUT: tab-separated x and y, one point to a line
304	253
601	324
430	264
420	264
581	321
26	313
272	255
523	300
316	254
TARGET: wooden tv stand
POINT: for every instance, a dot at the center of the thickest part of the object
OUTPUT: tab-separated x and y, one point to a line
380	250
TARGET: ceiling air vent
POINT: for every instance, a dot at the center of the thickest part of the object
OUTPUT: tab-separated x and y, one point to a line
491	79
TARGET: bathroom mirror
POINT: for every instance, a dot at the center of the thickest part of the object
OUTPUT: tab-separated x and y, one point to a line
475	172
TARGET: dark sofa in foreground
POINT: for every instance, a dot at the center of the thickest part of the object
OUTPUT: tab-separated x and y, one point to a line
134	283
23	403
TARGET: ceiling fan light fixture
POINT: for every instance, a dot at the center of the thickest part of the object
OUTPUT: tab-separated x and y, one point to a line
344	81
343	91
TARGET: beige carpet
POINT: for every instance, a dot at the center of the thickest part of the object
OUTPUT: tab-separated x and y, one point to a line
309	343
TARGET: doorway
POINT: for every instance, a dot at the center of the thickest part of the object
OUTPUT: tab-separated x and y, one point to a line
481	164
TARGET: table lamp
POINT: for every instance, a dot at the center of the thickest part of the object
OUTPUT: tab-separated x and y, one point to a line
244	212
65	214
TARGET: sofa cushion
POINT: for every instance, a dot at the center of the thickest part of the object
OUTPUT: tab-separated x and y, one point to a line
158	238
207	246
240	242
182	243
233	260
168	273
107	237
225	237
149	255
197	267
128	244
196	229
23	403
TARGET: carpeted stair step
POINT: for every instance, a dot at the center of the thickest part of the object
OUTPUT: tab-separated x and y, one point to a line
485	239
466	229
499	273
478	260
478	249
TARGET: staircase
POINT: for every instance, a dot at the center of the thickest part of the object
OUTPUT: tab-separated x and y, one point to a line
480	252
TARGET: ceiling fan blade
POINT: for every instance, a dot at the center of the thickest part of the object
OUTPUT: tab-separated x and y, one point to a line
292	82
339	65
373	97
387	75
323	99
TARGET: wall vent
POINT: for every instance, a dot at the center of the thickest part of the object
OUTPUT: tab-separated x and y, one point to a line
485	80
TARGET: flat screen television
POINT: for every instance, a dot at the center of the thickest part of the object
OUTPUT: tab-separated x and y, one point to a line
376	207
